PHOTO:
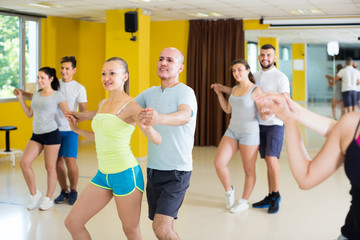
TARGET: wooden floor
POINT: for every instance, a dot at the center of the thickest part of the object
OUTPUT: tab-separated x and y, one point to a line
314	214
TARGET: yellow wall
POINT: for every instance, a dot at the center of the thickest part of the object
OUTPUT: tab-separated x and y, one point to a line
254	24
298	76
136	54
61	37
167	34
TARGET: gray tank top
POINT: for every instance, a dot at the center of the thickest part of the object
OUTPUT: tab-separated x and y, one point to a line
243	115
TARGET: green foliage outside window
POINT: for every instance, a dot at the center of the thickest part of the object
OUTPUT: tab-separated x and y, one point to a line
9	55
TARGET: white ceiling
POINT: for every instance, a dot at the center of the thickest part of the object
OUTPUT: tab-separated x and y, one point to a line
166	10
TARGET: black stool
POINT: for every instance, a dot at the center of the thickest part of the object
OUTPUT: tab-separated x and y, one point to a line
8	150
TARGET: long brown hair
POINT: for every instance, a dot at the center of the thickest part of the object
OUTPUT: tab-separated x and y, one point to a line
247	67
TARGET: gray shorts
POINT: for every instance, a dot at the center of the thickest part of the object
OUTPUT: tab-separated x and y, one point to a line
244	138
165	191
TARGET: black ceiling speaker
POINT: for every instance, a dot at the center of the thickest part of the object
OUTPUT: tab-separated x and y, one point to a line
131	21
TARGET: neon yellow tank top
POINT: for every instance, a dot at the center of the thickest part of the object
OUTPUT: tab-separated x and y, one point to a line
112	139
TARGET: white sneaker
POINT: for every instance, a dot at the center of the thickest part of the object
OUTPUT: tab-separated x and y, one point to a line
46	204
230	198
241	205
33	200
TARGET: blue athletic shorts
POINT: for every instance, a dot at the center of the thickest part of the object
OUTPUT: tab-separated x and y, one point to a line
122	183
50	138
271	140
165	191
349	98
242	138
69	144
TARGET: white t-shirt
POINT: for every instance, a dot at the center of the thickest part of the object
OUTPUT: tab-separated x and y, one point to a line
272	80
74	93
349	76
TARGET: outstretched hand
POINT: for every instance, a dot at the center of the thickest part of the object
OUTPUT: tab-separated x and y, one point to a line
147	117
283	107
76	115
218	88
18	92
72	122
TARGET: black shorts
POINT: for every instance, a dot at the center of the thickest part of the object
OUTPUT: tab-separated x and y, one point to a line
50	138
165	191
349	98
271	140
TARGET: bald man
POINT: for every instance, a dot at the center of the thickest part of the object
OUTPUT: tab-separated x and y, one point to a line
170	163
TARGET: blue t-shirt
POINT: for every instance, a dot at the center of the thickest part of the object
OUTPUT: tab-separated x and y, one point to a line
175	150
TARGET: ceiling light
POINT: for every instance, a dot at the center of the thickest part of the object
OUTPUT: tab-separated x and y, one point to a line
199	14
40	5
299	11
215	14
312	22
140	1
316	11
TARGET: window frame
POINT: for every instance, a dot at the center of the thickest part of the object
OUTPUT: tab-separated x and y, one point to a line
22	43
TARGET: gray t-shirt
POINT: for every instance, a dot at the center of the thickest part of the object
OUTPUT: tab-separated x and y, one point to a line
44	110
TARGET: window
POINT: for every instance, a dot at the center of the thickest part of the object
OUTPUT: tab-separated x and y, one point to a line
19	54
252	56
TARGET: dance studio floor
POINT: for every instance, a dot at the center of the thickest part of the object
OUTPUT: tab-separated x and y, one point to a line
315	214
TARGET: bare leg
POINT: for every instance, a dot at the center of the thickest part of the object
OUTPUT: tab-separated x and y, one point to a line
89	203
129	209
342	107
50	153
31	152
333	107
164	227
273	173
227	148
248	155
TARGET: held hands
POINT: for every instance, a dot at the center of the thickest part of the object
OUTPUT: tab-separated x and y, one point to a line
76	115
72	121
147	117
283	107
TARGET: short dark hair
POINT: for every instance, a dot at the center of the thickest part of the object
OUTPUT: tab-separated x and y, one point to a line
267	46
69	59
348	60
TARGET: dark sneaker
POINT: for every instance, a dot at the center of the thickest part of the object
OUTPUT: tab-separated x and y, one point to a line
62	197
274	204
265	203
72	196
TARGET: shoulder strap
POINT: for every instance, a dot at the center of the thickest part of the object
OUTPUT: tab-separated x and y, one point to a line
102	101
357	130
123	107
236	86
253	89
